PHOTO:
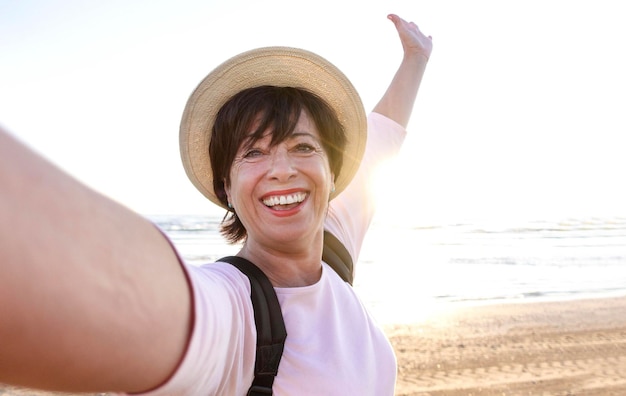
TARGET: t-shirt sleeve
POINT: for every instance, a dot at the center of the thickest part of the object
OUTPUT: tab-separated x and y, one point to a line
220	355
350	213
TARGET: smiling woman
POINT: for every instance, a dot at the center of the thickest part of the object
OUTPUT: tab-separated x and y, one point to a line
276	130
277	137
295	167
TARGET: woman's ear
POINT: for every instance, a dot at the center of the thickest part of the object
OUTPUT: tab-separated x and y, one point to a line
227	191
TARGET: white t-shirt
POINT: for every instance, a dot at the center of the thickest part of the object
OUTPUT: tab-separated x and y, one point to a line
333	346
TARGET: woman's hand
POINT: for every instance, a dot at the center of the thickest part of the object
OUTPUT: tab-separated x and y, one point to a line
414	42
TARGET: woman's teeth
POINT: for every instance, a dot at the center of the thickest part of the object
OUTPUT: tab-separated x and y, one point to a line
284	199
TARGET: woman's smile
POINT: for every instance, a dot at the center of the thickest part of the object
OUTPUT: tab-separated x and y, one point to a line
285	204
284	201
290	179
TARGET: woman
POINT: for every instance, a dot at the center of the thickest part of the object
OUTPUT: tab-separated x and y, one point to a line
94	298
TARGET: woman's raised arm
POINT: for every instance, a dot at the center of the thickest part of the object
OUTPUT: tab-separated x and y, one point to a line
92	297
397	102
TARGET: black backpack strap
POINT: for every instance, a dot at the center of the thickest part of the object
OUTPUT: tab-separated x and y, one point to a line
336	255
270	327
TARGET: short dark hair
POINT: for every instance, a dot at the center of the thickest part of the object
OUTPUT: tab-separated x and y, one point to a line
273	108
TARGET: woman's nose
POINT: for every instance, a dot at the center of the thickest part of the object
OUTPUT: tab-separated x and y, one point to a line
281	165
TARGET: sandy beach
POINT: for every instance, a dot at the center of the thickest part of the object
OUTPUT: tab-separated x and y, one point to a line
550	348
553	348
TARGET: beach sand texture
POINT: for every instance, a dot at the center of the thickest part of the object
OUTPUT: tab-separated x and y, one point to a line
550	348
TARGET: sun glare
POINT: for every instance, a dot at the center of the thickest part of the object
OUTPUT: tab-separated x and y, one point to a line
401	193
382	185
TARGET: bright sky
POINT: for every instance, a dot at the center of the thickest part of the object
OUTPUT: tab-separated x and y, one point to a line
520	114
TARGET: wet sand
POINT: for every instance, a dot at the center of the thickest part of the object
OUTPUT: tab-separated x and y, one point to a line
552	348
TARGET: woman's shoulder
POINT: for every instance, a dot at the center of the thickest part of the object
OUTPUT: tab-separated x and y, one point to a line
219	273
383	126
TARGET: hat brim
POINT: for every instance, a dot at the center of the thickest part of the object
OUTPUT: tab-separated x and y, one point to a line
278	66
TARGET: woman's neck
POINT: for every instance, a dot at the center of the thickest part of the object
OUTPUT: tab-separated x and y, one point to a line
294	266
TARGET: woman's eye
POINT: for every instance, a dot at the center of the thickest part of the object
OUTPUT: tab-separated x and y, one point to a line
304	148
253	153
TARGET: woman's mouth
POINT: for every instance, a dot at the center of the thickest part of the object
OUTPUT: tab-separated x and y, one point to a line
284	202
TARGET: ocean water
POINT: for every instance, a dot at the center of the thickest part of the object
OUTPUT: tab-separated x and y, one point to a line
406	272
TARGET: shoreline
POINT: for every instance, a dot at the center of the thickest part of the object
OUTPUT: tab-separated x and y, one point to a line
564	347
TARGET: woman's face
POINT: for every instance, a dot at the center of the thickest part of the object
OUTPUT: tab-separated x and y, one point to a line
281	193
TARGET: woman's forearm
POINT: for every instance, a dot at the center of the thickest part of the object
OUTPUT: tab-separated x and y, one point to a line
91	295
398	101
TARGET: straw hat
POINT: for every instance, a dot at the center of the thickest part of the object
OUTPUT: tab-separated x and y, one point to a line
279	66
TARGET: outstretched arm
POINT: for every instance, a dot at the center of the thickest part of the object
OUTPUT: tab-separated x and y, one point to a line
92	297
397	102
397	105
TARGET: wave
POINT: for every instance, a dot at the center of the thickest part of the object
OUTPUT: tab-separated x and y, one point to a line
472	263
